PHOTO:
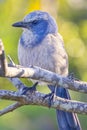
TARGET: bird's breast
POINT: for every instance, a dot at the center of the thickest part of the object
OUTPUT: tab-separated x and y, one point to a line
47	55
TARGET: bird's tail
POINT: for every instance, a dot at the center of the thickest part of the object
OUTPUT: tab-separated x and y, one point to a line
66	120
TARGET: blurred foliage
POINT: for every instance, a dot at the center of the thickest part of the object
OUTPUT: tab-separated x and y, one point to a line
72	23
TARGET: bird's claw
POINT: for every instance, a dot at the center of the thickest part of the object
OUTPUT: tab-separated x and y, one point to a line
50	96
71	76
31	89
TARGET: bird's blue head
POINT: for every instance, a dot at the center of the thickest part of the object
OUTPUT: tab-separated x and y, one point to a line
39	23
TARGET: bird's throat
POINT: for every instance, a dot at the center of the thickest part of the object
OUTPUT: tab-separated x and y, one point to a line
30	39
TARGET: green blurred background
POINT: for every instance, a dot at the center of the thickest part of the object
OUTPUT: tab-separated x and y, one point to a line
71	16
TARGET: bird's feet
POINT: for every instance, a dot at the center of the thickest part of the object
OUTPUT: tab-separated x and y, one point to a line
51	98
32	89
72	77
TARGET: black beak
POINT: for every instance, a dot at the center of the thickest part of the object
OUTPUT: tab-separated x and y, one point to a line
20	24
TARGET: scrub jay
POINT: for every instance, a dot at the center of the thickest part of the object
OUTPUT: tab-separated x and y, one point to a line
41	45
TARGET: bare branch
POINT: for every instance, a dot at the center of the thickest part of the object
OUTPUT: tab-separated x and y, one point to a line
17	83
37	98
10	108
39	74
3	62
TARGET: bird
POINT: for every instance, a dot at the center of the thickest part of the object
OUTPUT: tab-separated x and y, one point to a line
42	45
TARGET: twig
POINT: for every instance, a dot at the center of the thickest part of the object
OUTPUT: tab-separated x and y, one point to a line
17	83
10	108
11	61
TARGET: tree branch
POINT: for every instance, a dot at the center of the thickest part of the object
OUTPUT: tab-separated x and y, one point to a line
37	98
10	108
3	62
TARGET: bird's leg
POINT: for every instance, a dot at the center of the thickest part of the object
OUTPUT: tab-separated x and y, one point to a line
55	91
50	96
32	89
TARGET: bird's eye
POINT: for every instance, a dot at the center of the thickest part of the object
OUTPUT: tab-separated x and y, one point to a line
35	22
